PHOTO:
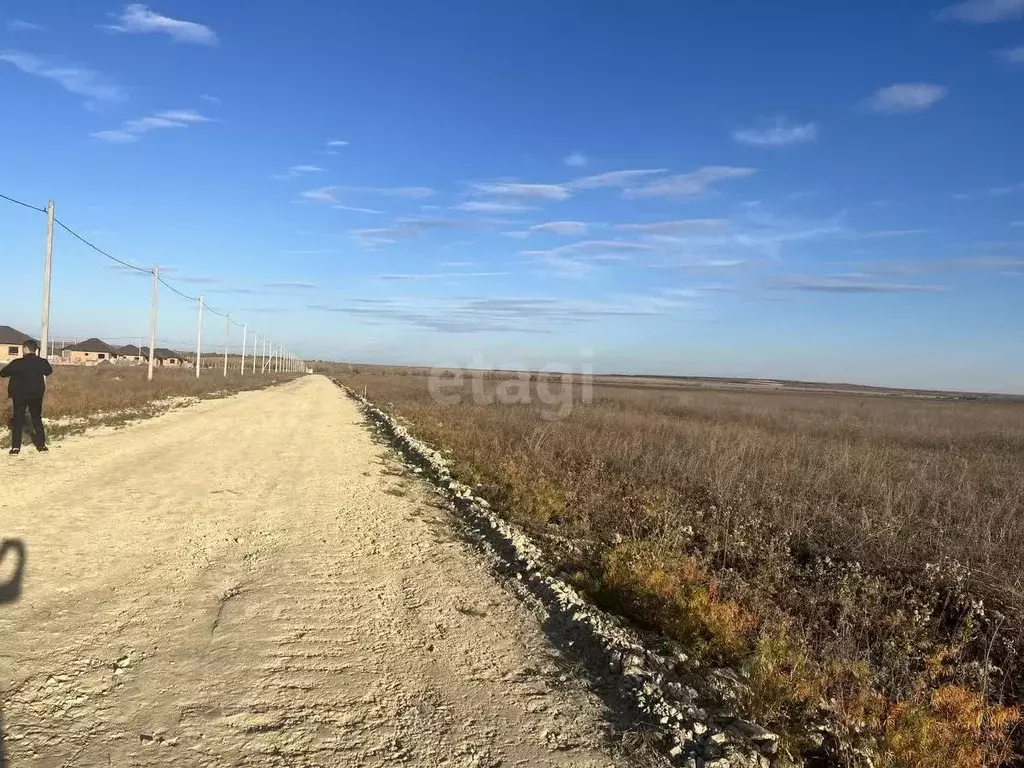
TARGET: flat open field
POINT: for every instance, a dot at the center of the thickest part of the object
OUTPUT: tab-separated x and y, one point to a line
855	555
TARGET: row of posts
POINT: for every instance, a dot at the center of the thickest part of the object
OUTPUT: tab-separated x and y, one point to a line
274	357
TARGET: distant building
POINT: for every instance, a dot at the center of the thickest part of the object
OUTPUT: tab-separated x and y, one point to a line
90	352
164	356
131	354
11	341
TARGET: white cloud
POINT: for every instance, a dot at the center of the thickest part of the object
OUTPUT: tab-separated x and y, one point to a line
983	11
689	184
1017	223
779	134
907	97
210	99
24	26
130	130
679	227
490	206
519	234
1014	55
615	179
533	191
565	228
78	80
137	18
576	160
337	143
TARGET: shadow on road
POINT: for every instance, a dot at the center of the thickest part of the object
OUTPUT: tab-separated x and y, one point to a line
10	590
12	561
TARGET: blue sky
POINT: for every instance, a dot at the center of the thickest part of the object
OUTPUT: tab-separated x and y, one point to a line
829	191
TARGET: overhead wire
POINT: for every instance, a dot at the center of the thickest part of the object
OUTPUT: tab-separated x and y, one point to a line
122	262
22	203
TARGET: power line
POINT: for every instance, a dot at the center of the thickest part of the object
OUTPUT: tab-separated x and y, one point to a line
19	202
101	251
175	290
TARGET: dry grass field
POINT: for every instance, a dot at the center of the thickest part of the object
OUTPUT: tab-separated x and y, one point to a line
79	396
855	556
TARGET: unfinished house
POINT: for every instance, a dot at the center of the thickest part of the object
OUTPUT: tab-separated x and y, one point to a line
90	352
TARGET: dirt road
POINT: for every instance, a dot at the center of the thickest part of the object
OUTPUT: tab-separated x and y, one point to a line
248	582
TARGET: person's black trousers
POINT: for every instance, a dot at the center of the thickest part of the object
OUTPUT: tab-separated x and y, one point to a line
34	406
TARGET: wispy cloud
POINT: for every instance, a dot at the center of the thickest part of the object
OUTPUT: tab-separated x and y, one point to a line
24	26
564	228
138	19
332	195
983	11
1013	55
583	258
130	130
355	209
856	283
1019	223
883	234
679	227
1009	189
907	97
210	99
291	285
526	315
82	81
491	206
626	178
576	160
296	171
335	143
689	184
530	191
989	262
780	134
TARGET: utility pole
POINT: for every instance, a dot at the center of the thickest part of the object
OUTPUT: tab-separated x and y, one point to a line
152	320
227	335
44	341
199	338
245	331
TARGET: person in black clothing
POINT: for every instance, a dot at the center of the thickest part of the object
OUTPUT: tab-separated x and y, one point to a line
27	385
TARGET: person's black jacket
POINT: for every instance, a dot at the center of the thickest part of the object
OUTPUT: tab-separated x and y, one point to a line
26	376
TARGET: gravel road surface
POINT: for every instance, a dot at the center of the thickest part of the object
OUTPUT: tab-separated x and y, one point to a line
252	582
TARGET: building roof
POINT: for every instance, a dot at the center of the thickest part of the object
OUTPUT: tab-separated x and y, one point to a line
91	345
129	350
10	335
162	353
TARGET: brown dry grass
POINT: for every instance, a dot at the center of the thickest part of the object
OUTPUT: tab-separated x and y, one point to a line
78	396
857	557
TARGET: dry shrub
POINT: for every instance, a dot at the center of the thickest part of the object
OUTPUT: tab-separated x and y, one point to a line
677	595
949	727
